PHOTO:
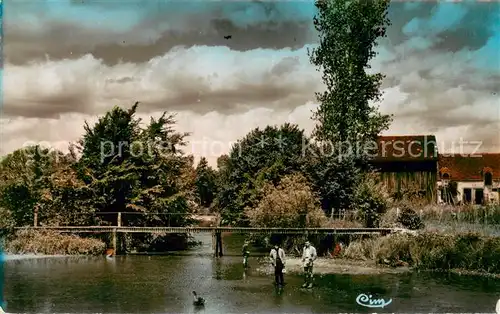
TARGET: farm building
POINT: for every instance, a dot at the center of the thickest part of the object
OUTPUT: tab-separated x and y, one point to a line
473	179
408	164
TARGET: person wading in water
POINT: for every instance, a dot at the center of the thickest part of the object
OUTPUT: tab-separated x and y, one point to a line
308	257
277	256
246	254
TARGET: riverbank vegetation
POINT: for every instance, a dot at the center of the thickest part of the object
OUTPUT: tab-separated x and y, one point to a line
52	243
430	251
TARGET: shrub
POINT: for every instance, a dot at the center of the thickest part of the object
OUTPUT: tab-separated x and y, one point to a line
7	222
409	218
360	250
52	243
291	204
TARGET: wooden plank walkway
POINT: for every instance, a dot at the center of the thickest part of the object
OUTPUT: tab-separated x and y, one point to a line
103	229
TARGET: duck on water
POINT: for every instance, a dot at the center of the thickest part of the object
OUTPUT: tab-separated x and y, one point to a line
198	301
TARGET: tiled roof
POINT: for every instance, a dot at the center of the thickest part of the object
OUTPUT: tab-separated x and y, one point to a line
470	167
406	148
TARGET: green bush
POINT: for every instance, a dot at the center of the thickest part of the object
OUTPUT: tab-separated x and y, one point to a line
409	219
290	204
371	201
7	222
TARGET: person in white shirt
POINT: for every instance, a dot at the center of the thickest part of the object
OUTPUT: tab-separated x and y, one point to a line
277	257
308	257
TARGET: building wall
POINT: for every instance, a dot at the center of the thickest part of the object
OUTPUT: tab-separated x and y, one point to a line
412	176
423	181
490	194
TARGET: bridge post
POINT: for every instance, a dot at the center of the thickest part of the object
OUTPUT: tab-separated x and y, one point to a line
219	239
213	243
218	244
114	241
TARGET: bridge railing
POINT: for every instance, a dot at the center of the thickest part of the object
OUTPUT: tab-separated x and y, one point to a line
120	216
310	231
121	228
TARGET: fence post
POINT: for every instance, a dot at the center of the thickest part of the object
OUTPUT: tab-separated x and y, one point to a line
35	217
119	220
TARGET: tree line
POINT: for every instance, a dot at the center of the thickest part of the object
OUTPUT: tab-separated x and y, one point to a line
260	183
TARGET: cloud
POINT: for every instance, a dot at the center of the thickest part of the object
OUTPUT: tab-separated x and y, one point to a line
138	31
237	91
199	78
213	133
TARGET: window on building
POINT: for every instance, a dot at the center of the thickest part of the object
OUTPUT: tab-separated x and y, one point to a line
488	178
479	196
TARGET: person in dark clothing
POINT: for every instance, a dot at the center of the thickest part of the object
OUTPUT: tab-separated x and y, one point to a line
277	256
246	254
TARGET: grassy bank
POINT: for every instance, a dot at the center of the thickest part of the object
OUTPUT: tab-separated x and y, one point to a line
468	252
52	243
484	220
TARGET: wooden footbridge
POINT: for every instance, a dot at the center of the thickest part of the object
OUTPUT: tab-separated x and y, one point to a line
216	231
189	230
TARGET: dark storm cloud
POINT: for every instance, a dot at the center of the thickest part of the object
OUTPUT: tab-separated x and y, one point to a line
67	41
151	37
89	87
273	25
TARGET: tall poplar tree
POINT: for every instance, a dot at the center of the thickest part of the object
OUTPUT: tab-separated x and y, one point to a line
347	116
348	33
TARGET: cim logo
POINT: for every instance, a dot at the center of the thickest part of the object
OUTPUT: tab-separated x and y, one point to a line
366	301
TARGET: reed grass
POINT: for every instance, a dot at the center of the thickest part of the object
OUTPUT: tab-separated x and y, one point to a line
431	251
52	243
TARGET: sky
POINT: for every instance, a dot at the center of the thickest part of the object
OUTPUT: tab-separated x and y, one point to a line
66	62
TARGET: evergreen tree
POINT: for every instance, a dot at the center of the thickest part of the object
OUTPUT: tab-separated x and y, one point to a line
206	187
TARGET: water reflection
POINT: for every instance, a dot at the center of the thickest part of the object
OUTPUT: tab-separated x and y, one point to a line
159	284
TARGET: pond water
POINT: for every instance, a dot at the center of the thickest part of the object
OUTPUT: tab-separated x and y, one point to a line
163	284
